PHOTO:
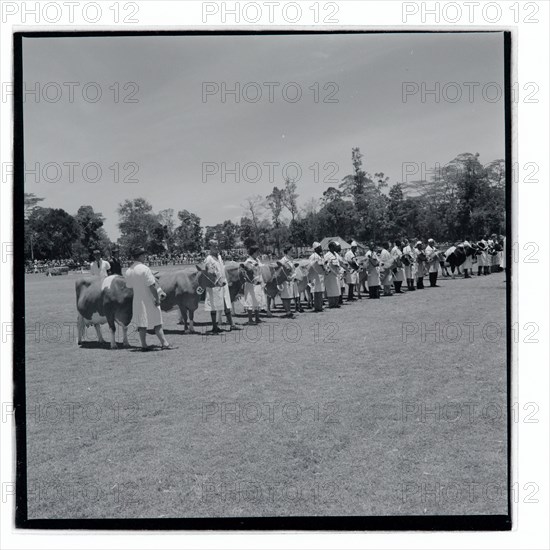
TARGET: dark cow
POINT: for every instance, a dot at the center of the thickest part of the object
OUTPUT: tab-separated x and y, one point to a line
455	257
183	290
235	279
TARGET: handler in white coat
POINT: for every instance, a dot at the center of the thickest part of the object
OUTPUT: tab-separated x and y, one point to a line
420	259
252	286
146	302
217	298
99	267
352	272
332	277
409	264
316	276
433	262
386	266
288	290
467	266
398	272
373	273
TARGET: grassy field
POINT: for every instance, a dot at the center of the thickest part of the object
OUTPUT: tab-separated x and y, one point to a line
390	406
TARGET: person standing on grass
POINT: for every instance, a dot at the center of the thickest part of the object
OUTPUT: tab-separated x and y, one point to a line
288	287
217	298
332	282
386	263
342	272
146	302
467	266
482	257
433	262
252	284
317	276
99	267
373	273
408	263
420	258
398	274
352	274
116	268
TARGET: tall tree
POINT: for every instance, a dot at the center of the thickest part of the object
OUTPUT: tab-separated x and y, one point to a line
136	223
254	216
188	235
91	228
56	232
166	220
30	203
290	198
275	202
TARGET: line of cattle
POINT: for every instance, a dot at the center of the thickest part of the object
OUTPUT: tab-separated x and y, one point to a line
110	300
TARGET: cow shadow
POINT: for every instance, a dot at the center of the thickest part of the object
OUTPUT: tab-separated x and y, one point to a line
150	349
183	332
94	344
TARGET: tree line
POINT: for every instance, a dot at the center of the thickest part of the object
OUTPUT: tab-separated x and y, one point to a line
463	200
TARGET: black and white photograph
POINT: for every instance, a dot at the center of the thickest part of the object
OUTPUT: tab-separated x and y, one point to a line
263	279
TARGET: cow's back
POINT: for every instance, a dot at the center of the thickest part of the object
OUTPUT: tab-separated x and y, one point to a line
116	292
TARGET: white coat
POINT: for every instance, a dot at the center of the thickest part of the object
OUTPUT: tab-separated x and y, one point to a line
289	288
217	298
332	280
145	314
316	275
351	276
253	289
100	270
410	270
399	274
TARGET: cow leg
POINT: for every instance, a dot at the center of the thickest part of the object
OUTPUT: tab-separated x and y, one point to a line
191	321
183	318
309	297
100	339
125	341
81	328
112	330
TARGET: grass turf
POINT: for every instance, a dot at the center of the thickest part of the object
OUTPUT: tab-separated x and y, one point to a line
356	411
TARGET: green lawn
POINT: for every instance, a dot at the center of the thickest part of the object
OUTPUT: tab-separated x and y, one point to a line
330	414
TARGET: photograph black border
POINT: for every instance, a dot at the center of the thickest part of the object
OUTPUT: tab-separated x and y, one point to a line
478	522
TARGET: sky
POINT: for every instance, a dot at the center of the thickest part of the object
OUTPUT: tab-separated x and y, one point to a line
172	142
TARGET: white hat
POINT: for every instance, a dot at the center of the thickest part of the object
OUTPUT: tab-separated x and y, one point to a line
419	242
315	245
431	240
353	243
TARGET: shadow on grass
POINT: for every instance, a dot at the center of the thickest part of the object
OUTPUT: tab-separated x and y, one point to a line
95	345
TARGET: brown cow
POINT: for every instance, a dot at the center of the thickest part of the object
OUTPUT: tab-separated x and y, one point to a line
183	290
104	301
273	275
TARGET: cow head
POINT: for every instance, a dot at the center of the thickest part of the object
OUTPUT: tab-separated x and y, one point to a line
282	273
208	278
161	294
246	273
